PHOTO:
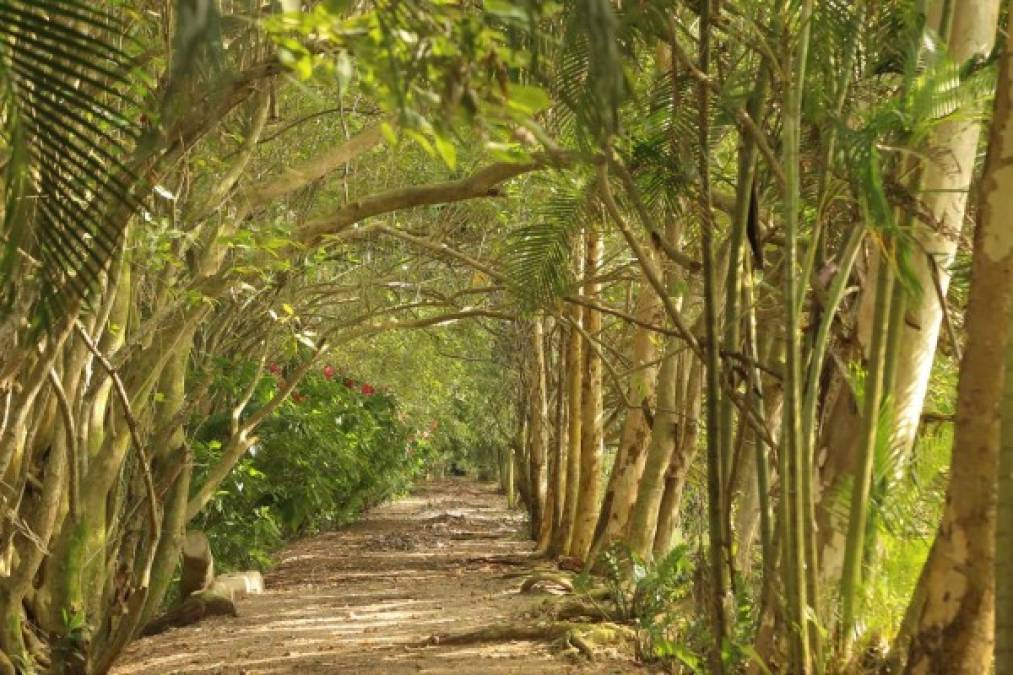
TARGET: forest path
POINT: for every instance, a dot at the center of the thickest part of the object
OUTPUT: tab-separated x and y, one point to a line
448	558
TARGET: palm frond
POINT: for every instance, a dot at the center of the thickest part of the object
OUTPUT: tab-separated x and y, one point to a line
538	253
66	137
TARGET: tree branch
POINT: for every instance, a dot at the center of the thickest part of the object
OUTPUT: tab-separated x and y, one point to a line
154	517
483	183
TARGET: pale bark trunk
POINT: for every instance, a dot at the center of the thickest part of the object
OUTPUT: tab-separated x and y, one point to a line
621	492
571	367
682	459
539	431
954	624
747	517
643	522
574	418
591	446
944	186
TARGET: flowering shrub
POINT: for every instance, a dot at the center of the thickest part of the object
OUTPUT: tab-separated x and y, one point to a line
328	452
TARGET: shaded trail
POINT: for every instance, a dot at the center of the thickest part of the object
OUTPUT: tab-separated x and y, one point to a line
448	558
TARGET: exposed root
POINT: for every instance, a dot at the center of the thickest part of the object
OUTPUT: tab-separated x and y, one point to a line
191	610
506	560
497	633
585	638
576	609
560	581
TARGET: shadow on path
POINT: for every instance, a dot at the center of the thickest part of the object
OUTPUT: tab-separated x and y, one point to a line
351	601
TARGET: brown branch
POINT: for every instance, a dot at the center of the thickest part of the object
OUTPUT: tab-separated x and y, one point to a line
605	309
441	249
296	177
483	183
657	236
937	284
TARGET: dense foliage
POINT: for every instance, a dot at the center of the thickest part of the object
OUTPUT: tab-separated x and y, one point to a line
336	447
695	280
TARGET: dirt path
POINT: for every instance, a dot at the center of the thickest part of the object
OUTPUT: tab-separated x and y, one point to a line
352	601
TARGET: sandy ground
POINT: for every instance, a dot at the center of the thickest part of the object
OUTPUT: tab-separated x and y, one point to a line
448	558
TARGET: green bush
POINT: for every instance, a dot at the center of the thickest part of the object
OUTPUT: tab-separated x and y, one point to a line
335	447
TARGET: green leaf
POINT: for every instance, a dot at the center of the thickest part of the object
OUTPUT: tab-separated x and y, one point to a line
446	149
505	9
528	99
422	141
755	657
388	133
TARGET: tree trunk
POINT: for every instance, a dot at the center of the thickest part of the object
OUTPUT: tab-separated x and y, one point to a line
682	459
944	186
954	624
198	569
621	492
539	431
574	382
643	522
1004	526
591	437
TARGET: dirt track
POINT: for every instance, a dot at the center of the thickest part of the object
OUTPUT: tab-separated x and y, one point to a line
354	601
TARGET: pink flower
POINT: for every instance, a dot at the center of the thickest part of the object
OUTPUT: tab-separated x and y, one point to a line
329	372
368	390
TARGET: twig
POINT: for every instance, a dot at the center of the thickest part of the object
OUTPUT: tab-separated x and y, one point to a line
941	297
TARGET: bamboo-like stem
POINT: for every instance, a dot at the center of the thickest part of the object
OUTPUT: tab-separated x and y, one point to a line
794	450
716	471
762	462
872	398
822	190
744	196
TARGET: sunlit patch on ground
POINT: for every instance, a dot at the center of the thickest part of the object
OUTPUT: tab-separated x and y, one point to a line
357	600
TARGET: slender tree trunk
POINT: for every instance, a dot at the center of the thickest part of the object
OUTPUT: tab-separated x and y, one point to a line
574	370
558	474
682	458
538	431
621	492
872	399
954	624
591	437
554	453
749	513
794	449
643	522
717	470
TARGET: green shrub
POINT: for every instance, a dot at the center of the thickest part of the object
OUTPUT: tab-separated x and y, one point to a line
335	447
